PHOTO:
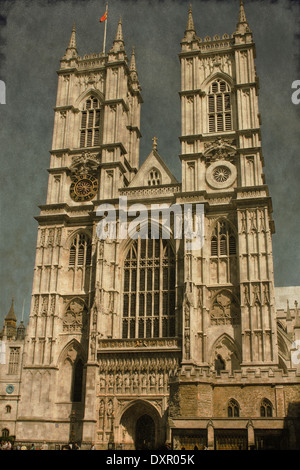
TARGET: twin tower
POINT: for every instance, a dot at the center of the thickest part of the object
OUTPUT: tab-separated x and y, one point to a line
137	341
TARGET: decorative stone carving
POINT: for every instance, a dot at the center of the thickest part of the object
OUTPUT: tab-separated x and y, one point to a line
83	164
224	310
74	319
136	374
220	149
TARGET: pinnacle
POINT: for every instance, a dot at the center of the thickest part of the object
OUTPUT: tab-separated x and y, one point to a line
119	35
132	66
190	33
72	43
11	314
242	25
242	16
190	24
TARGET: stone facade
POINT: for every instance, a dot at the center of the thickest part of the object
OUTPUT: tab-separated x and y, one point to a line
135	341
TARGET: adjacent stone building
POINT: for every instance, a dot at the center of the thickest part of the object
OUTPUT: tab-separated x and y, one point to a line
12	339
134	340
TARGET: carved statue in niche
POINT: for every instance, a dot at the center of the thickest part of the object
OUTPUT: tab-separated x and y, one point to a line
101	409
187	345
102	382
225	310
75	316
152	380
110	409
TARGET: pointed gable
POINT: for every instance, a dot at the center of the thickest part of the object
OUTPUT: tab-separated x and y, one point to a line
153	172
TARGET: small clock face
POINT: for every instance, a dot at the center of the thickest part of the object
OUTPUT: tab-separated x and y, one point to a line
9	389
83	188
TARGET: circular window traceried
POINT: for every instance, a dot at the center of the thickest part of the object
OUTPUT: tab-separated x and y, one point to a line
221	174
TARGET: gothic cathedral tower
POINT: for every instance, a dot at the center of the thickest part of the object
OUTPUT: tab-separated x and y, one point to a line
95	152
222	167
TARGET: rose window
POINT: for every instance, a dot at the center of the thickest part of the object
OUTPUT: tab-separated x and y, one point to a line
221	174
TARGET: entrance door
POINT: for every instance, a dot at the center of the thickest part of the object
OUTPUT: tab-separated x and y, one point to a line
144	433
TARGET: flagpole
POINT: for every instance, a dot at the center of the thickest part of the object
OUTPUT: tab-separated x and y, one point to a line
105	27
23	310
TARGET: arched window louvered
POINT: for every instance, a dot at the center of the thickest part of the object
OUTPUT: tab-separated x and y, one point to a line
90	123
219	107
223	242
80	251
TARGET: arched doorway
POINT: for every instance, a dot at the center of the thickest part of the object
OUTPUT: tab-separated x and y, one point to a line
144	433
141	426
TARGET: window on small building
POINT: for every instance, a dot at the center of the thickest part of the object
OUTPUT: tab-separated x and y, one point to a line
80	251
266	409
8	409
90	123
219	107
233	409
14	359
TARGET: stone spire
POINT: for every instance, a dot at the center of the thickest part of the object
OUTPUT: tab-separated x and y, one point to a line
71	51
132	66
10	321
72	43
119	40
190	32
242	25
190	23
119	35
11	316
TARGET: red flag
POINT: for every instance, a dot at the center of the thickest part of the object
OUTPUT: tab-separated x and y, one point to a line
104	17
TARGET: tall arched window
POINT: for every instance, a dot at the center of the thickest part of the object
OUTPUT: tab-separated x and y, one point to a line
266	408
80	251
149	290
219	107
233	409
90	123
